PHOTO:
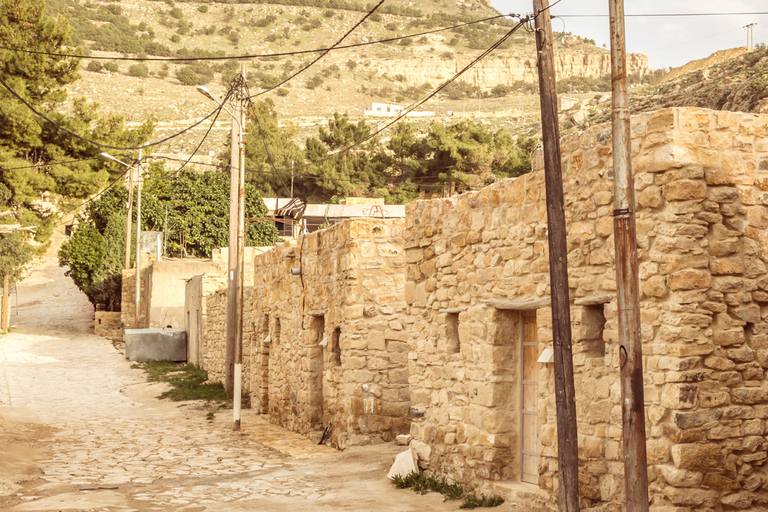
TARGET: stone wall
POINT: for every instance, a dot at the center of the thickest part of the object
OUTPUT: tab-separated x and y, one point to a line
330	344
477	269
128	299
214	334
108	324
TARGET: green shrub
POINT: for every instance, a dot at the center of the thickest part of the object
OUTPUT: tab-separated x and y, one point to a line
112	67
330	13
187	76
138	70
203	8
175	38
176	13
351	64
391	26
375	17
271	38
95	66
282	91
314	82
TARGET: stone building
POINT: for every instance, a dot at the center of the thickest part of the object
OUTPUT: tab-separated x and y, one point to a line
482	392
329	337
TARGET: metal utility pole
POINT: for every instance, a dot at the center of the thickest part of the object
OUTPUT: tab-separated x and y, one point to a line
750	35
567	440
241	96
628	298
137	298
234	166
128	220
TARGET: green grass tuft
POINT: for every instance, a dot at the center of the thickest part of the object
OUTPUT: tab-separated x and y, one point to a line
189	383
423	484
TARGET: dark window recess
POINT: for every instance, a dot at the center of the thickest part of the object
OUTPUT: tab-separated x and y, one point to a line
592	327
452	343
335	347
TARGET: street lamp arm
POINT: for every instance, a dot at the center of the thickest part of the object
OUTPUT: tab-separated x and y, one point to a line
202	89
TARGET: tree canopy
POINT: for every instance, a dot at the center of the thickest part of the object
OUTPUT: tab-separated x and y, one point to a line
341	160
32	149
197	209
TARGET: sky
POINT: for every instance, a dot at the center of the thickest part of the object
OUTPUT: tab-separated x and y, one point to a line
667	41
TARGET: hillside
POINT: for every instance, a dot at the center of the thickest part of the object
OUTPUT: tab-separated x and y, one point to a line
344	80
738	84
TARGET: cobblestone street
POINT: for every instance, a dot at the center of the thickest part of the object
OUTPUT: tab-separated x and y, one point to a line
82	430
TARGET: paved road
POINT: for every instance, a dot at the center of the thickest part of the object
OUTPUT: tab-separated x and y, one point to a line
81	430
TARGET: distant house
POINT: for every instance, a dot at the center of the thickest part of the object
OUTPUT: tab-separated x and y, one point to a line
389	110
291	216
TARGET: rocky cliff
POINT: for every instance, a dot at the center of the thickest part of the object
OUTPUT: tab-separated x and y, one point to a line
507	70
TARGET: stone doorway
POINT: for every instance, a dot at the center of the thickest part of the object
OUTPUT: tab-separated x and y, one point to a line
315	371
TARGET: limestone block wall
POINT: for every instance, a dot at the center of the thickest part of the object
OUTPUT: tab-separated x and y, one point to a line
108	324
477	290
212	329
128	299
330	345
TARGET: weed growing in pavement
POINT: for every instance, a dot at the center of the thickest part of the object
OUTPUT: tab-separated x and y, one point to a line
189	383
423	484
471	501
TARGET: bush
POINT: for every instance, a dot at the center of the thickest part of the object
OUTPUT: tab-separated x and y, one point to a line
391	26
265	21
175	38
176	13
112	67
187	76
501	90
314	82
271	38
203	8
375	17
351	64
330	13
406	41
282	91
95	66
138	70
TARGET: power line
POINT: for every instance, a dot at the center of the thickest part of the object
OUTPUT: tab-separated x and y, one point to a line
252	56
49	164
99	144
664	15
322	54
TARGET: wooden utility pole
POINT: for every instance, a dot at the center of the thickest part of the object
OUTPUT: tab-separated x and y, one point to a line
627	284
567	440
128	220
137	297
5	310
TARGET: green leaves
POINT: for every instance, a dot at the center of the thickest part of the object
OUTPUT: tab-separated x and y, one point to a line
197	208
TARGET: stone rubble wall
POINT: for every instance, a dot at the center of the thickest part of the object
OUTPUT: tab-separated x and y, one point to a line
108	324
330	345
481	260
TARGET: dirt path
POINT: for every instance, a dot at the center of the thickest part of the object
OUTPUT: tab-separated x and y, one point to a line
81	430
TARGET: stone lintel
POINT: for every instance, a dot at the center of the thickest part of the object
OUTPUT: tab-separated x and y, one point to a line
520	305
318	312
593	301
452	310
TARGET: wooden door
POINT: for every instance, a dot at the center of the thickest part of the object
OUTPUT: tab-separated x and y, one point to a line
530	445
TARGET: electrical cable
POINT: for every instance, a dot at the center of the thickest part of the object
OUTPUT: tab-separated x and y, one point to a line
229	93
269	155
322	54
49	164
256	55
93	142
666	15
